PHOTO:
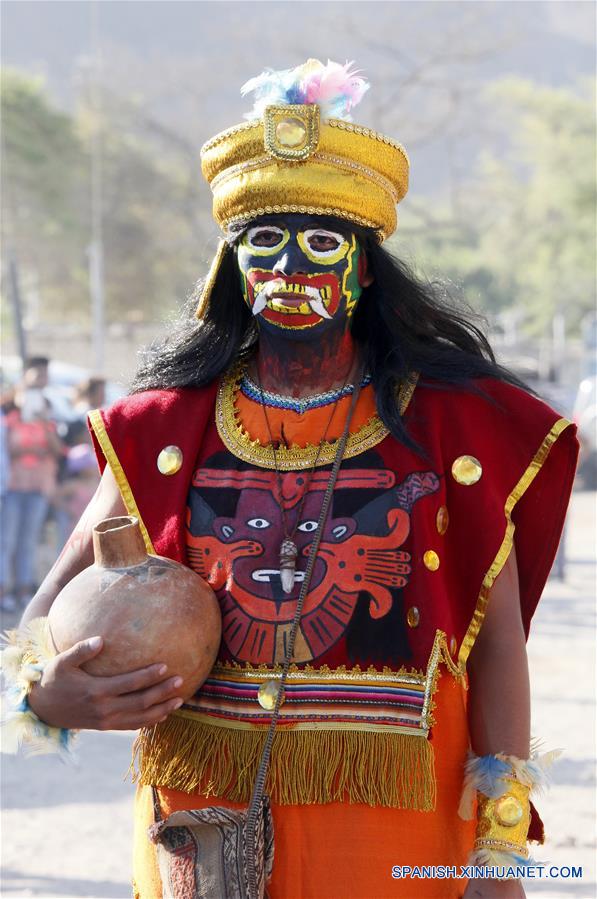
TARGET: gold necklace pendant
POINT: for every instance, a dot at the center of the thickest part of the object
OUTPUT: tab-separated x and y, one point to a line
288	554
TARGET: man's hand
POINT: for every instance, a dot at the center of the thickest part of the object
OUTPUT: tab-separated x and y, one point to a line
68	697
488	888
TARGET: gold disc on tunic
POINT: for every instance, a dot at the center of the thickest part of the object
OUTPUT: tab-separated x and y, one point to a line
442	520
466	470
170	460
267	694
431	560
413	617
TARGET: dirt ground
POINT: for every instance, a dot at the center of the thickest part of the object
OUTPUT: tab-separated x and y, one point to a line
66	828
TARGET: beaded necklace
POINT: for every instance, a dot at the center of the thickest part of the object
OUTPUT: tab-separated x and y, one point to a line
296	404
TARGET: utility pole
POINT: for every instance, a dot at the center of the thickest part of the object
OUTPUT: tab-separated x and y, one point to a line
96	247
17	306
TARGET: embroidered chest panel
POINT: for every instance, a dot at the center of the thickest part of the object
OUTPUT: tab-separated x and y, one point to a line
235	525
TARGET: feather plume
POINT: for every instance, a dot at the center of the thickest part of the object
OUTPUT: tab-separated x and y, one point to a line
334	87
11	660
485	774
26	652
481	773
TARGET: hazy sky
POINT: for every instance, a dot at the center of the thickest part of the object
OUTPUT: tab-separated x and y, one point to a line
185	61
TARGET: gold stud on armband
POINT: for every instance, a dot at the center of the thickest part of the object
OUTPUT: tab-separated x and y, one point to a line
503	823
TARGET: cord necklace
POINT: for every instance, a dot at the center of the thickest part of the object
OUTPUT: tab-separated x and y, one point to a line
288	547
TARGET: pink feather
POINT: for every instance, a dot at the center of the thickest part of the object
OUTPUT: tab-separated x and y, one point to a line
334	87
335	84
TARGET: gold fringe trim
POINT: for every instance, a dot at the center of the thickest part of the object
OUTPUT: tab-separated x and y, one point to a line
99	429
395	770
504	551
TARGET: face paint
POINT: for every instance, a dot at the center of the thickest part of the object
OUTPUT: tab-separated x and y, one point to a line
298	276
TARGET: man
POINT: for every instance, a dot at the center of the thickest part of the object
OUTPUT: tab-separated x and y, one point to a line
224	451
33	450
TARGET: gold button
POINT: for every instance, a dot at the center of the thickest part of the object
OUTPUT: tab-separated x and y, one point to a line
170	460
453	645
466	470
291	132
508	811
267	694
431	560
413	617
442	520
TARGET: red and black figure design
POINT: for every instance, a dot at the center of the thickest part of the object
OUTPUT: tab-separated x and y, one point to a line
234	532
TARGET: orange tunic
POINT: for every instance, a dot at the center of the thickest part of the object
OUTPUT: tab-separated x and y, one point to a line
340	850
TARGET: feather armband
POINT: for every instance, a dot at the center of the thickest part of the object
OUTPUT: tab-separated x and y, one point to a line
502	785
24	657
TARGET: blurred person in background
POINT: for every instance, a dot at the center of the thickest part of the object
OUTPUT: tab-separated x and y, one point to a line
33	451
7	404
7	397
76	488
90	394
35	375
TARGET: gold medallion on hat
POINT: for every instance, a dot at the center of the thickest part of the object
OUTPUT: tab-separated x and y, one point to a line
291	131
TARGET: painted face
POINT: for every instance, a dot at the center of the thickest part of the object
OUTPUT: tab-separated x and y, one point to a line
299	273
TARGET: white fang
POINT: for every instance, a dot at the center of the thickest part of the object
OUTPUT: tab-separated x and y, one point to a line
260	303
318	307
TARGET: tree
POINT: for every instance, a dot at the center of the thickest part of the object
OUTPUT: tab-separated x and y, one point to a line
153	236
43	163
523	231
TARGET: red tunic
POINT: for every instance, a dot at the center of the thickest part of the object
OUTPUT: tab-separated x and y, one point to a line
526	450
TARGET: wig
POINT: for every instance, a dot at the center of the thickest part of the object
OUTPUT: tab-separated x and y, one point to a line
402	324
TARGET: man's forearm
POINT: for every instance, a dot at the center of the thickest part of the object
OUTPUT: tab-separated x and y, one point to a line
499	697
499	700
75	557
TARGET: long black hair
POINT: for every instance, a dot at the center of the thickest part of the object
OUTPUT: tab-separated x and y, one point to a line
402	324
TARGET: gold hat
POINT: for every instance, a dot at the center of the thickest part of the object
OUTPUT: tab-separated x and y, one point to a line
293	157
301	153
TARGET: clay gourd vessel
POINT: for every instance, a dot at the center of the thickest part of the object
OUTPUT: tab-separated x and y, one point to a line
147	608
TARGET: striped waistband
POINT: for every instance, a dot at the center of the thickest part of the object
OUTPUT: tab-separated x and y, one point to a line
316	699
